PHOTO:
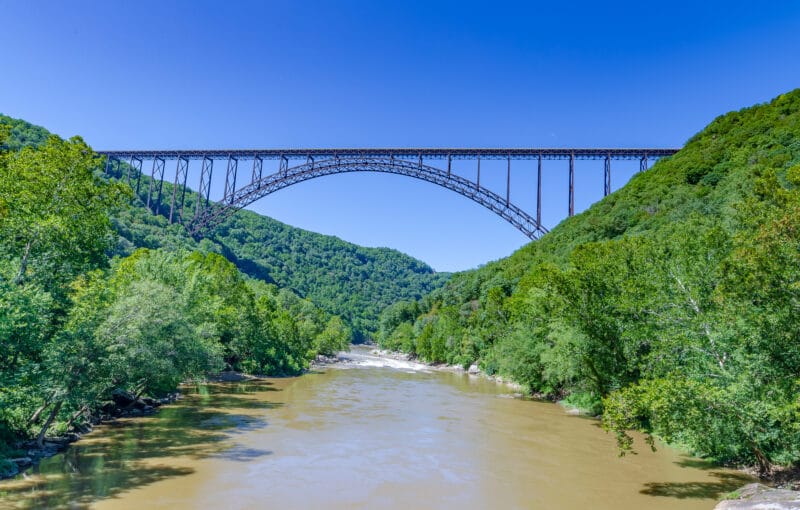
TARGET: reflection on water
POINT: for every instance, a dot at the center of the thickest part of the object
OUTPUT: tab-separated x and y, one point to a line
137	452
376	435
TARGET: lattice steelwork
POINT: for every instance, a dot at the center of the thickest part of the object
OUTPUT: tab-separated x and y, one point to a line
294	175
156	181
181	175
411	162
230	178
204	189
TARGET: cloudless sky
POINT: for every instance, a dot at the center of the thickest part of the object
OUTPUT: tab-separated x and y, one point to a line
235	74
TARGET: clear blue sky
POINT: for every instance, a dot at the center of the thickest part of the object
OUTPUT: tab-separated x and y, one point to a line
168	74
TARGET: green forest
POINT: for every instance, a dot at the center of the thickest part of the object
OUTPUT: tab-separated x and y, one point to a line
98	295
354	282
671	307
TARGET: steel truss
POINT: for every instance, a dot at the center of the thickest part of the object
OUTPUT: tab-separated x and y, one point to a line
312	169
320	162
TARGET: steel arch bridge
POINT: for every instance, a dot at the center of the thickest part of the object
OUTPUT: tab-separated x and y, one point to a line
299	165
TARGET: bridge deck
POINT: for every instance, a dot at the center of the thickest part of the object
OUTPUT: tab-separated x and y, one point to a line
416	152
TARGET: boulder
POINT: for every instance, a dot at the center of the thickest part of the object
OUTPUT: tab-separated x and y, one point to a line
23	462
150	401
473	369
122	398
756	496
8	470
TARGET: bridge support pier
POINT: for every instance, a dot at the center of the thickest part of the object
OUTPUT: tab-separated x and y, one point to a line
449	164
230	179
643	163
572	183
508	182
478	182
204	189
156	179
607	176
181	175
539	192
258	169
136	166
283	166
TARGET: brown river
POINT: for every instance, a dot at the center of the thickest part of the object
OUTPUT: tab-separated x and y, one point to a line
371	433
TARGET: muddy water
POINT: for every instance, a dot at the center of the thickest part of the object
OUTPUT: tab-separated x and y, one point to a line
363	435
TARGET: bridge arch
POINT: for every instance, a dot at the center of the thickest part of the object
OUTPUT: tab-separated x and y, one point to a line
288	176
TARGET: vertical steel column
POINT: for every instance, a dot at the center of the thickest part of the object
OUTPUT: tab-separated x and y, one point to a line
137	165
206	170
572	183
258	169
539	193
607	176
508	181
310	161
156	174
479	172
108	165
449	164
130	166
283	166
643	163
230	179
419	164
181	173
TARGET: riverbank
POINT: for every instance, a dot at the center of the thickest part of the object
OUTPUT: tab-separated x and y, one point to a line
28	453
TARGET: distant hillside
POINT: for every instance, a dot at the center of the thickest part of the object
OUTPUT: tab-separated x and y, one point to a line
672	305
344	279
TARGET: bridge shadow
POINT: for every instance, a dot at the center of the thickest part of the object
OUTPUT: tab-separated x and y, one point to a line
131	453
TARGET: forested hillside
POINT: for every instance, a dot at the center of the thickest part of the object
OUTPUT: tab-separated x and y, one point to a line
353	282
672	306
77	325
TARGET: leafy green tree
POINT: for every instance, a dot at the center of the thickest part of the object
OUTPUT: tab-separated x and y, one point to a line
58	225
334	338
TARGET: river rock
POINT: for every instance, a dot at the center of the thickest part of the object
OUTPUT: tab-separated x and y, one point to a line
23	462
8	470
473	369
122	398
150	401
756	496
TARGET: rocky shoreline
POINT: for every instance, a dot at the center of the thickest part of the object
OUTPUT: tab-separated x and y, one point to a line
756	496
121	405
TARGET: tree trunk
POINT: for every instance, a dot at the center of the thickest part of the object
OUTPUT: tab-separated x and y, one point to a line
764	465
38	414
76	415
53	413
23	265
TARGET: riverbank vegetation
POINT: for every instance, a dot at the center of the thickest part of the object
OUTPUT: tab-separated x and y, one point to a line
672	306
78	322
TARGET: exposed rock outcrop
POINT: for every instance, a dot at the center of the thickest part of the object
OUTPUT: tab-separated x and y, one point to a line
756	496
